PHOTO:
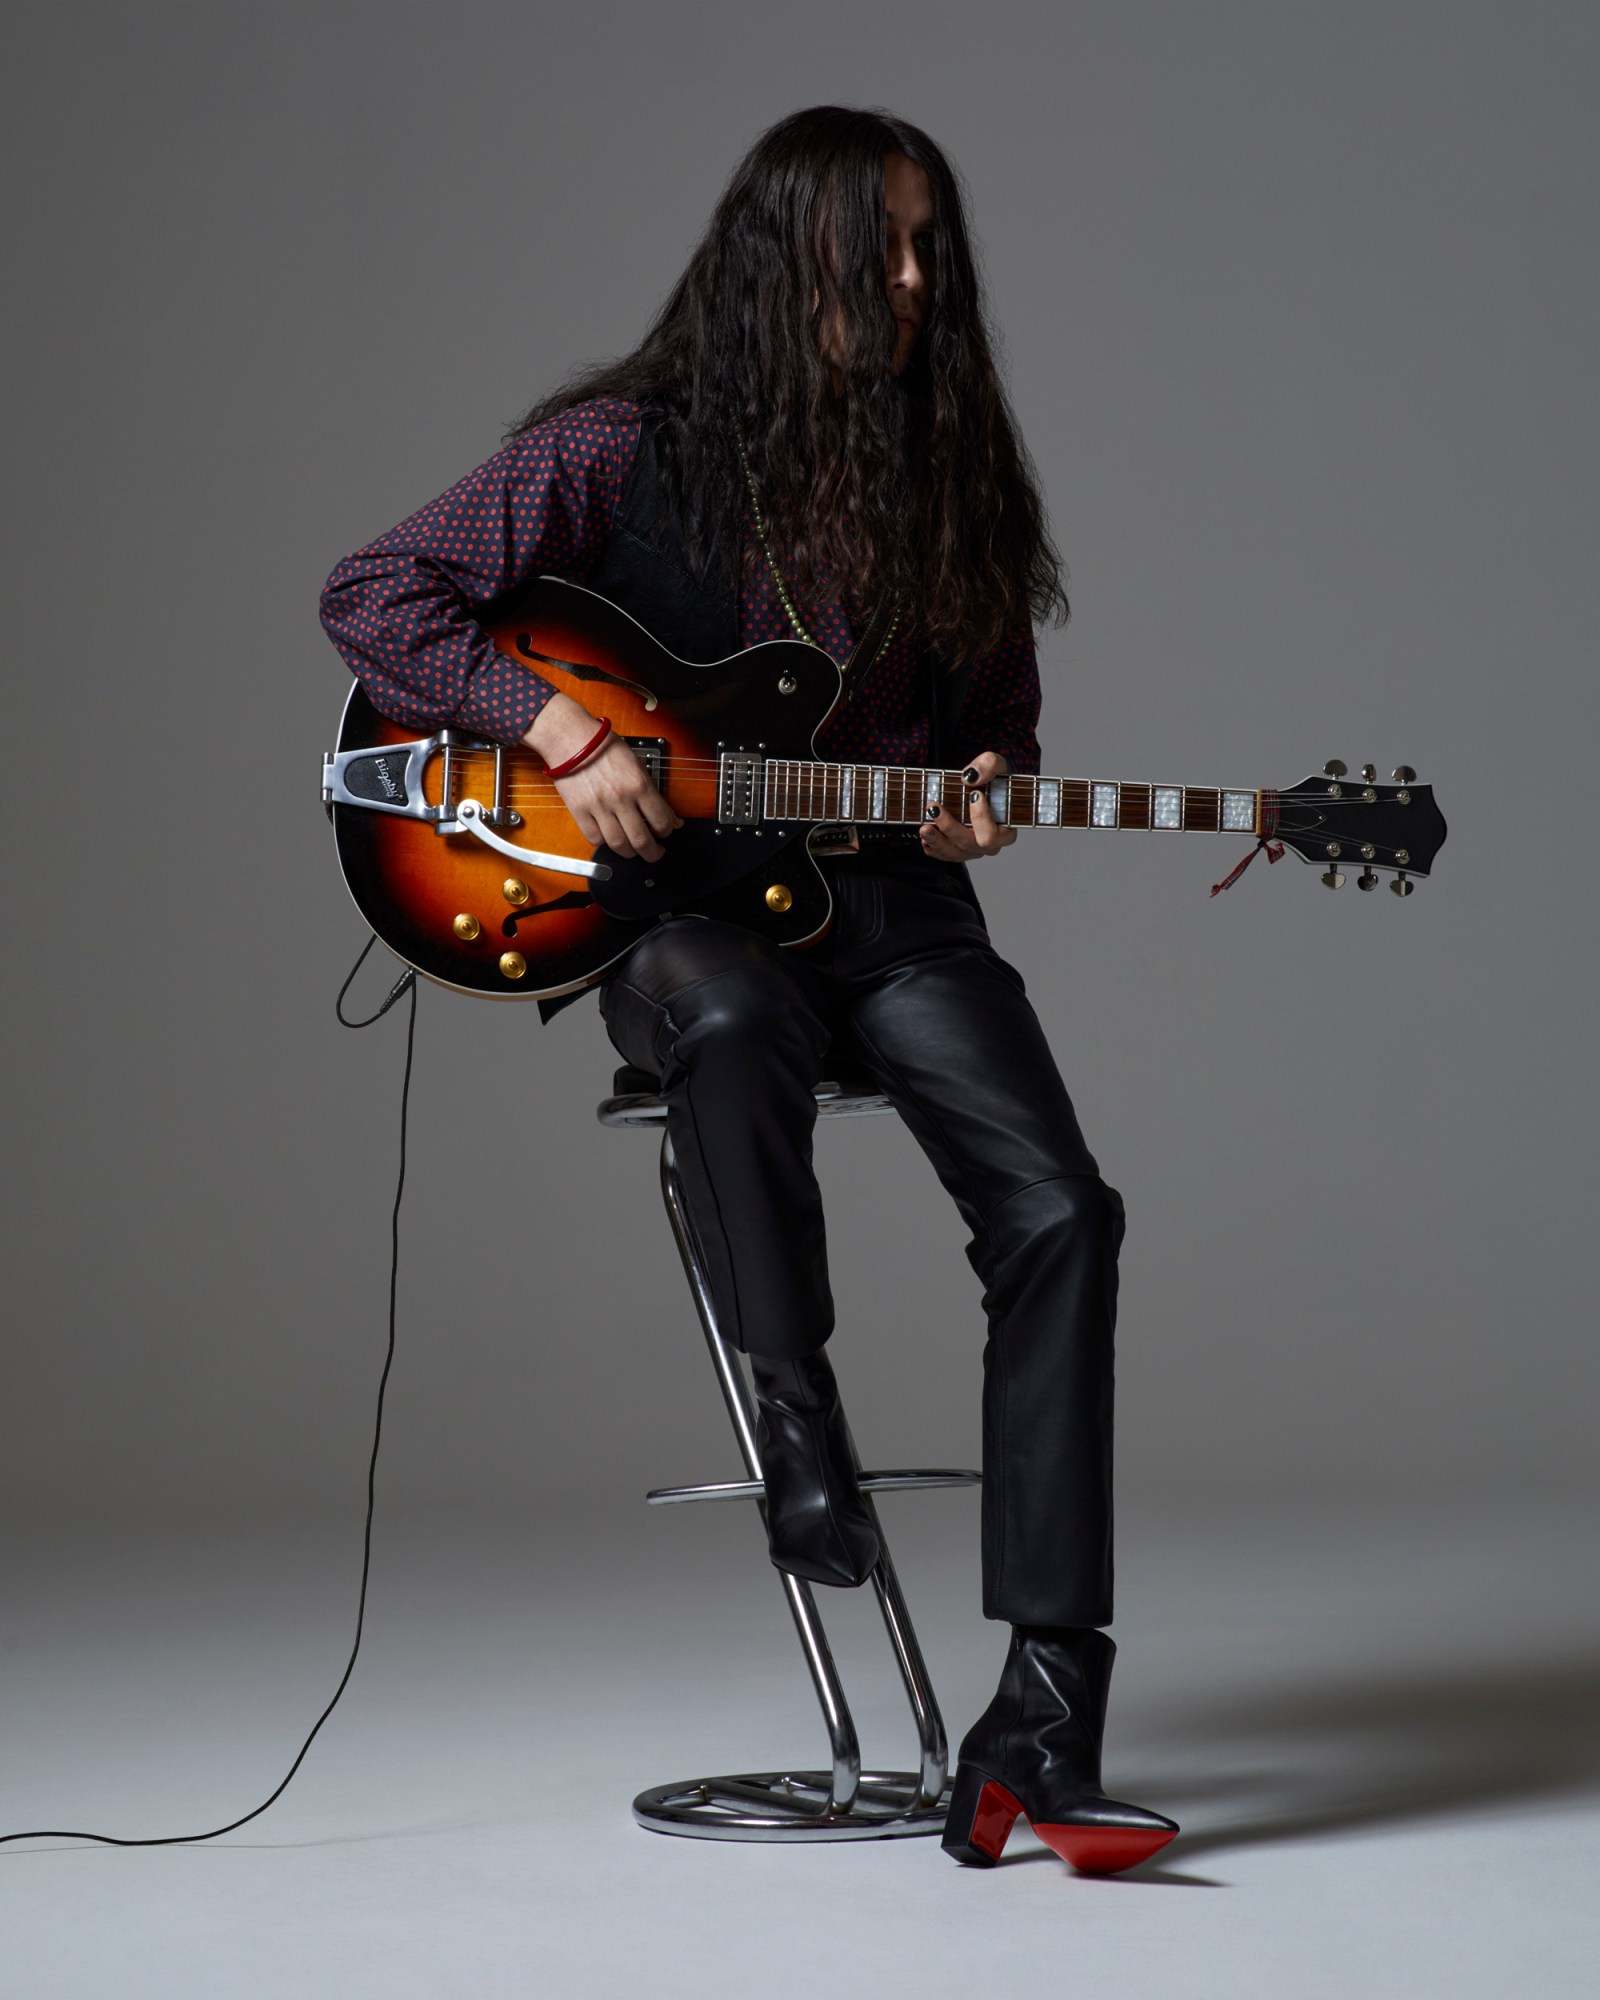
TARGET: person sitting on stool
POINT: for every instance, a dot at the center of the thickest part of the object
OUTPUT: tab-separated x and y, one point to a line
811	440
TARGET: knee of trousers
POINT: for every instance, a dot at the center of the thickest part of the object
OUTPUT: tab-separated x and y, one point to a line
750	1017
1071	1217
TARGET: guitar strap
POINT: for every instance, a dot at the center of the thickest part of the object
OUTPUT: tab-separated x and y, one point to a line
866	650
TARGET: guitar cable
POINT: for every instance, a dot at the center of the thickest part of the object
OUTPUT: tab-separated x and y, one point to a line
406	983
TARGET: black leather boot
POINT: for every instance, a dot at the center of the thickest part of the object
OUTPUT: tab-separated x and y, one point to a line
1035	1750
817	1522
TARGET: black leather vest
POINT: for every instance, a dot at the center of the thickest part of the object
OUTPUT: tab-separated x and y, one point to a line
644	567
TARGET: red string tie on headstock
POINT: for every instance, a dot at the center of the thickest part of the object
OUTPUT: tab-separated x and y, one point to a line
1274	853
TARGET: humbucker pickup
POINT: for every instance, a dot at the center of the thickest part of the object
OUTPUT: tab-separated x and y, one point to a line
739	774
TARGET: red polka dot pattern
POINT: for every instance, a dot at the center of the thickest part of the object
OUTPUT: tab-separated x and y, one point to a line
400	611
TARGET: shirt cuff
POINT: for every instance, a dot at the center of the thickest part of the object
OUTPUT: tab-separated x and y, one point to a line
503	700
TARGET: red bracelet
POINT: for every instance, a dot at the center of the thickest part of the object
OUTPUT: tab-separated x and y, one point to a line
594	743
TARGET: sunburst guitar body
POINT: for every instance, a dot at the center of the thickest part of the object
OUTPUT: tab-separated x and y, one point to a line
440	888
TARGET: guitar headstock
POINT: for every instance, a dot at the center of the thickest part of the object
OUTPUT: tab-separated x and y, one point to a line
1337	819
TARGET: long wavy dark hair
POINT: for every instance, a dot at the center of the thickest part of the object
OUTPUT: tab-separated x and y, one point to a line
914	489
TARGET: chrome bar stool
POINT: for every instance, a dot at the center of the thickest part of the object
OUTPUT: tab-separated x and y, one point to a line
844	1802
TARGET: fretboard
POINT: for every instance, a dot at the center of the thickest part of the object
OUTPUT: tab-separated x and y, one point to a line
895	795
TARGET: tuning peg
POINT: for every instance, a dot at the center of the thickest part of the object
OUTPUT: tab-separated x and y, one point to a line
1366	879
1330	878
1404	775
1368	773
1401	885
1334	768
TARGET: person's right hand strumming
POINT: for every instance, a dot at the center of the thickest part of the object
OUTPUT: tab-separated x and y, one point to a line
610	795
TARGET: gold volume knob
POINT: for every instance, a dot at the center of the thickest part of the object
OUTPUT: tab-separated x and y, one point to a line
513	890
466	927
513	964
780	897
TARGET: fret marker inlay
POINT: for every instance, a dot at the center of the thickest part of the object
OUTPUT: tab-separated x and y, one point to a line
1105	805
1238	812
880	782
1048	806
1168	806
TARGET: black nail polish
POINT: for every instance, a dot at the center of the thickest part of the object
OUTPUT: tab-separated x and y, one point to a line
970	775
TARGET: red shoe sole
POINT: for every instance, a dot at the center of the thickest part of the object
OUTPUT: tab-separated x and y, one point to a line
1102	1850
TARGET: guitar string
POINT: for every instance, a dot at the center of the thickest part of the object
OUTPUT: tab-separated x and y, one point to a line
534	789
682	762
1381	849
537	795
534	784
546	792
789	765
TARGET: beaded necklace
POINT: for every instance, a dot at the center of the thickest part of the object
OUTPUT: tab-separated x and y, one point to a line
782	588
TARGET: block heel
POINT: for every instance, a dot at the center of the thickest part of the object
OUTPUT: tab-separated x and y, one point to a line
982	1814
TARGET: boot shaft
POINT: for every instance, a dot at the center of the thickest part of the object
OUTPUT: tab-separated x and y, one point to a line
1050	1707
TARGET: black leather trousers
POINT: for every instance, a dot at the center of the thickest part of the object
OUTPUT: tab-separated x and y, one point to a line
906	986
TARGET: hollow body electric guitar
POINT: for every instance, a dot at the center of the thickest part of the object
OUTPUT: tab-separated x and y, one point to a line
462	857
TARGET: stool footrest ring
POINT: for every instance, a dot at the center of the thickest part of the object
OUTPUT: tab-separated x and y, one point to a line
790	1805
871	1482
834	1100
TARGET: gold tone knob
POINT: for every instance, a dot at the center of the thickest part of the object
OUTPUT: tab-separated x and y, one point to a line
466	927
780	897
513	964
513	890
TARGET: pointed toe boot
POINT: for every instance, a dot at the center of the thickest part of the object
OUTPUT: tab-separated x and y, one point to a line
1034	1753
818	1526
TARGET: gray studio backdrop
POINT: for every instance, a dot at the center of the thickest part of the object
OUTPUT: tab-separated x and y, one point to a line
1299	304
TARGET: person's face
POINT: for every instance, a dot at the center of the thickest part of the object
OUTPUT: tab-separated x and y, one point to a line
908	230
908	222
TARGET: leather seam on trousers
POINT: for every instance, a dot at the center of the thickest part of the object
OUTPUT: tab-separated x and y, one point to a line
994	1488
736	1333
667	1019
1003	1398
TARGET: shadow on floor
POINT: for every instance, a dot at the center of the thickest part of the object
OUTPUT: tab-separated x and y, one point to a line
1347	1756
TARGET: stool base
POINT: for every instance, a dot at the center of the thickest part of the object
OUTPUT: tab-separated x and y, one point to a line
790	1805
843	1803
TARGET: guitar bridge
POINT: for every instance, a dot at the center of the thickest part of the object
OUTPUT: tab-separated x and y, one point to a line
651	752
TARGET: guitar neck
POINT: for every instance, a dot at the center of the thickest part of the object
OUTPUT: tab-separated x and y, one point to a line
896	795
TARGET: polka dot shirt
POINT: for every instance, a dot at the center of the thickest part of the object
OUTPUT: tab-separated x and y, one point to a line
401	610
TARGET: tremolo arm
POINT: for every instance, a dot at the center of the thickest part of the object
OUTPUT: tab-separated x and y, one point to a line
472	815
